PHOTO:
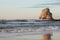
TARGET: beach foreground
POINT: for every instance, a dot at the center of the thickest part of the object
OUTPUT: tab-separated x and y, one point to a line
55	36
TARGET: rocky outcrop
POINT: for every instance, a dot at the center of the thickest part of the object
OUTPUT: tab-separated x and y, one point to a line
46	14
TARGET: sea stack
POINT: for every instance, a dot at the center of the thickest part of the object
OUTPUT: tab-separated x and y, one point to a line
46	14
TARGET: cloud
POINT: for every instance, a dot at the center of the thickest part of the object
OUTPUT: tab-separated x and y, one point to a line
51	4
42	5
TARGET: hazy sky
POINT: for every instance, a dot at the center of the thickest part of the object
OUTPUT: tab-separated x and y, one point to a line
27	9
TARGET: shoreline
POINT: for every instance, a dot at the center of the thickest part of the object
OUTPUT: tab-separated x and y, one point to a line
39	29
55	36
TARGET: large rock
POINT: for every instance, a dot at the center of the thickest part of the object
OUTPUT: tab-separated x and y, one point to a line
45	14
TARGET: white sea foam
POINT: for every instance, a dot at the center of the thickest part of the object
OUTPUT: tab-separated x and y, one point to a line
27	31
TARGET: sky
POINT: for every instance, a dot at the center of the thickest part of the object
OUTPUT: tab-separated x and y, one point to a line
27	9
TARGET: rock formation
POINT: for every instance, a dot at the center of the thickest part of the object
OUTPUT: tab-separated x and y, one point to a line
46	14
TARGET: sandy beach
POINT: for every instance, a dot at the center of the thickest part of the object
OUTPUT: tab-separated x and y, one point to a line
55	36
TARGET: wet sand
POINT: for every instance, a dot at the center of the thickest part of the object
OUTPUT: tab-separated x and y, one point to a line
55	36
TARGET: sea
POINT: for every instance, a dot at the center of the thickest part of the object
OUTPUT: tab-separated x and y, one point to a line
28	29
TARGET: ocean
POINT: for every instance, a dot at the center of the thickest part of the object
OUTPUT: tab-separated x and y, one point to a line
28	29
